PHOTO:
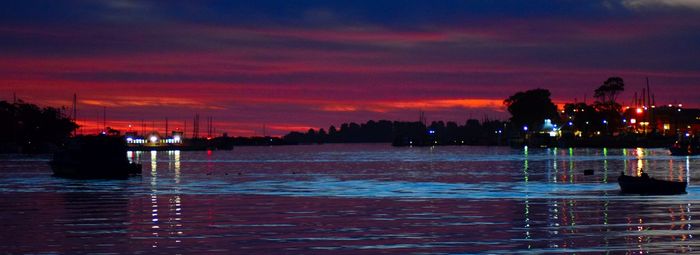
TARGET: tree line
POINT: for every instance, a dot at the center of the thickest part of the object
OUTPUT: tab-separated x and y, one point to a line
472	132
28	128
529	110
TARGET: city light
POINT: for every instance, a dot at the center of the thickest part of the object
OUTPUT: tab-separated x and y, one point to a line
524	128
640	110
153	139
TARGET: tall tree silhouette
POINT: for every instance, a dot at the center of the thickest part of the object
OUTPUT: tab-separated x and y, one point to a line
531	108
606	102
607	93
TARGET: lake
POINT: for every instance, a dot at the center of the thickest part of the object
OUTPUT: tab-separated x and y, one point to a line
354	199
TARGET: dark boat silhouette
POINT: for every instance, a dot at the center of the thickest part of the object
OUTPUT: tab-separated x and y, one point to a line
649	186
687	147
94	157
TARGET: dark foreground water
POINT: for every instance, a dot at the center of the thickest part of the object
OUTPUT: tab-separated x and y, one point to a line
354	199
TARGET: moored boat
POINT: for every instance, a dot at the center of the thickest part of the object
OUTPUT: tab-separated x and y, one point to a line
649	186
94	157
686	147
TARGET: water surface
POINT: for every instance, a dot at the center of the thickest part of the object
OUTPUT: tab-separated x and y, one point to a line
353	199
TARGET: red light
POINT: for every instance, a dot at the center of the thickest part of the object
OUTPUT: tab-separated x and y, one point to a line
640	110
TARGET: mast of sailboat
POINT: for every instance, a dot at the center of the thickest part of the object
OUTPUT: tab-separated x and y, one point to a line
75	113
651	108
210	119
104	118
195	126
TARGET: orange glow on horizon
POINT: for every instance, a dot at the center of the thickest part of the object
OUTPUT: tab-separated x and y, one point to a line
429	104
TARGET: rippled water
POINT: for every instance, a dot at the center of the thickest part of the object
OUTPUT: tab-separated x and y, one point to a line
354	199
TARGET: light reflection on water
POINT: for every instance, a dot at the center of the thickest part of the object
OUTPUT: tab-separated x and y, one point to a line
352	199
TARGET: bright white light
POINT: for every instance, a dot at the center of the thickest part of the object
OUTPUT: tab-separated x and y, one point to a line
153	139
129	139
176	138
553	133
524	128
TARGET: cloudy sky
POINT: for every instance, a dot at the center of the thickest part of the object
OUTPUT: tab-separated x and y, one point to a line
292	65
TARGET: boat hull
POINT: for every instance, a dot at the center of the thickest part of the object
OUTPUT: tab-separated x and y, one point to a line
680	151
93	157
79	171
650	186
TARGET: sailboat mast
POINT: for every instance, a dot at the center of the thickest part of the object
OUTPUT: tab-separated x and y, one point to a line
75	112
104	118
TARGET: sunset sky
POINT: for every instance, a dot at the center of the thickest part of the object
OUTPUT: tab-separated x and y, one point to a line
293	65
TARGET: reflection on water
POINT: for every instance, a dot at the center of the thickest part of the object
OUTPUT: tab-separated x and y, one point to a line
354	199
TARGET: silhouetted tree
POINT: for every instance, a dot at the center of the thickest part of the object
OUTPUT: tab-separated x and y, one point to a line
607	93
321	136
606	102
31	128
531	108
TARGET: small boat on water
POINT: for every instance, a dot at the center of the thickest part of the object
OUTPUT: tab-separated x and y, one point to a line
649	186
94	157
686	147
